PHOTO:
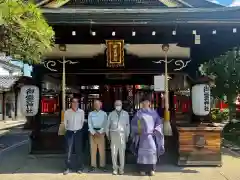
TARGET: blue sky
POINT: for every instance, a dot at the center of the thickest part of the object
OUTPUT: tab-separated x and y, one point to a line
224	2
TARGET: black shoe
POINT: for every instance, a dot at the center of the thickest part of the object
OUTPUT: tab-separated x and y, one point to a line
67	171
92	169
103	169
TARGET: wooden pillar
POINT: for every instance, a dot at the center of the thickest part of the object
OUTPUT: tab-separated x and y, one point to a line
37	78
171	106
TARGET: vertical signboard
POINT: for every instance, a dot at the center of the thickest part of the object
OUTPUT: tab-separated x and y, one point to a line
115	53
159	83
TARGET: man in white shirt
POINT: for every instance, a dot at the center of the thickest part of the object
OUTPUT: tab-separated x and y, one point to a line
73	121
118	130
97	122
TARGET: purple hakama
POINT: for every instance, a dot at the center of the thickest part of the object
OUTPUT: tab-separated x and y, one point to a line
148	138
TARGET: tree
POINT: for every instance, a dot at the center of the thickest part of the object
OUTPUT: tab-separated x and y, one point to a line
24	32
226	72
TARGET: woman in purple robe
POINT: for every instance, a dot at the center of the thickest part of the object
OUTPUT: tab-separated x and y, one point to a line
148	138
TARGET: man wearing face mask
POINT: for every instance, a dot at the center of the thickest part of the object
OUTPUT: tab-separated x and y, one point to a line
118	130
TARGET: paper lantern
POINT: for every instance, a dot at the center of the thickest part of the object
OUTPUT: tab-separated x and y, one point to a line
29	96
201	99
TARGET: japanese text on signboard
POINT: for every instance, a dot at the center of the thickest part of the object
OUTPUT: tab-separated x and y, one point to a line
115	53
206	92
29	100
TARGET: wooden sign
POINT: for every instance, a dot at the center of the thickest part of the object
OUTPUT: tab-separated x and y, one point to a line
29	100
115	53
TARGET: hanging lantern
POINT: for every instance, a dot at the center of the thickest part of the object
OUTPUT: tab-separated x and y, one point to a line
29	95
201	99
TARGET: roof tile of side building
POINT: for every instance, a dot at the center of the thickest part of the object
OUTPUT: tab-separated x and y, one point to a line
6	82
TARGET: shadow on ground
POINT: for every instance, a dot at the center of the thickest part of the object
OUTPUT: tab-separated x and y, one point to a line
228	152
55	165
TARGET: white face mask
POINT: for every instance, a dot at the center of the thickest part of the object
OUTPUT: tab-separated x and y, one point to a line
118	108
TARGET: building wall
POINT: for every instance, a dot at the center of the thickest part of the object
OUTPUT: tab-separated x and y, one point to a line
10	96
19	112
3	72
1	104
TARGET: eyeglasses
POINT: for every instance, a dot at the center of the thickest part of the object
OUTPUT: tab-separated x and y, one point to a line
74	101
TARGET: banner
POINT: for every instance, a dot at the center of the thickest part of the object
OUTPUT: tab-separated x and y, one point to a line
115	53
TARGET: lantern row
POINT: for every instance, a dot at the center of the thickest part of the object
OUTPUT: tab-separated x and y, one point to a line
194	32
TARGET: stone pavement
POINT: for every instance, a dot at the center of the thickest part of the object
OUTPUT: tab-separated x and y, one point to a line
6	126
50	168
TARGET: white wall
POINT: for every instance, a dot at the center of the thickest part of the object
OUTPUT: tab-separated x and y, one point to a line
3	72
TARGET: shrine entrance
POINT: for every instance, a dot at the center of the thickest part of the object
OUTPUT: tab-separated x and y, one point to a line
130	91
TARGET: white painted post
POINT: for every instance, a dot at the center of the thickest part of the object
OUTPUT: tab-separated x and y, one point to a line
166	125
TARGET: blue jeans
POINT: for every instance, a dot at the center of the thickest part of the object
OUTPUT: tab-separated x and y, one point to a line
74	140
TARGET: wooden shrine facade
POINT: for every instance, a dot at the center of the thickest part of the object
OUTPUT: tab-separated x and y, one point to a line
195	30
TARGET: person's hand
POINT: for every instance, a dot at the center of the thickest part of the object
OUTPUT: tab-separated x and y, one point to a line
96	134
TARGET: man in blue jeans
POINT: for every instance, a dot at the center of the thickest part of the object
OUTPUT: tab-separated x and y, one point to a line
73	121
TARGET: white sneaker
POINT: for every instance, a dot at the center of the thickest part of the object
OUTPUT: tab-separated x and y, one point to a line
121	172
115	172
152	173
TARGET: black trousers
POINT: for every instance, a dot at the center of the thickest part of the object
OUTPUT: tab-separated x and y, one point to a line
74	140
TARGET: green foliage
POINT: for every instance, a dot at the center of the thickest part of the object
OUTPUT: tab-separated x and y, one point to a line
226	71
218	115
24	33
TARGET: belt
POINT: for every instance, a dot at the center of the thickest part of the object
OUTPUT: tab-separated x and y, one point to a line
97	129
73	131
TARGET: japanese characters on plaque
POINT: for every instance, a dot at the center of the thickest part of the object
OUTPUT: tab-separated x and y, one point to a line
29	100
201	104
206	93
115	53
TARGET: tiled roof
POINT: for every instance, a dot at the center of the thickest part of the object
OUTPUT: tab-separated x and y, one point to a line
6	82
9	66
127	3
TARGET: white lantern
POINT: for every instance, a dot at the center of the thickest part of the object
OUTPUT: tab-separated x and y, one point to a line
29	100
201	99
